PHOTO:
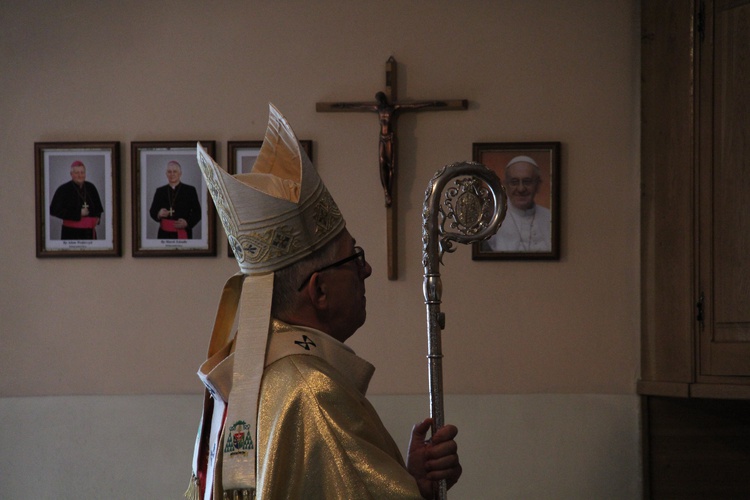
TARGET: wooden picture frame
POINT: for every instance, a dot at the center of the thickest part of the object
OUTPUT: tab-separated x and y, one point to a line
241	156
530	173
77	199
171	222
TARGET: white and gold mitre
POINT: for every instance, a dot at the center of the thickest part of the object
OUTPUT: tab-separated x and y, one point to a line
278	213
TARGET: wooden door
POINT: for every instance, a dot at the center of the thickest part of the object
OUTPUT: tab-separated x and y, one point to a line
724	190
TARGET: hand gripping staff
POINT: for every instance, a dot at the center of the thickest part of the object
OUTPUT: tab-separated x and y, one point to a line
470	209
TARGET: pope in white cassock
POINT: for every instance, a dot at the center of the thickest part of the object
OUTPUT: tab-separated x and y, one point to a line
527	226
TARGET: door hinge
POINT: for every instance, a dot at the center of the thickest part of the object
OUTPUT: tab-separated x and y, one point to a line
699	310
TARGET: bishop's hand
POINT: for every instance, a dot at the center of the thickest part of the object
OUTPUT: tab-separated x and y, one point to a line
431	460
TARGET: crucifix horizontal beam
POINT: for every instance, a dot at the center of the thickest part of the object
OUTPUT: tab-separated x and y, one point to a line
388	107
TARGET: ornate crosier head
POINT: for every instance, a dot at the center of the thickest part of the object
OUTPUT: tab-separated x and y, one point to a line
278	213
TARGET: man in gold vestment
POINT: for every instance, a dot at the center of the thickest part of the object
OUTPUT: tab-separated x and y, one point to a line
285	414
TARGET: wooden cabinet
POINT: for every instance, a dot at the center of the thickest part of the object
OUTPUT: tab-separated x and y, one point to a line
695	242
695	150
724	192
697	448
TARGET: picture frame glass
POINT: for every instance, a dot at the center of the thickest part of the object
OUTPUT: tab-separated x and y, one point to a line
172	211
77	199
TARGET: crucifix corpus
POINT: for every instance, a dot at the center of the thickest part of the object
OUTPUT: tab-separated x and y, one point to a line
388	107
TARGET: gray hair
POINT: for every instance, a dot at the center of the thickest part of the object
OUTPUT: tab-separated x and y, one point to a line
288	279
176	163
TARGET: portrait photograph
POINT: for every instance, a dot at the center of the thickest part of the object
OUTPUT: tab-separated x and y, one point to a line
173	214
77	199
530	174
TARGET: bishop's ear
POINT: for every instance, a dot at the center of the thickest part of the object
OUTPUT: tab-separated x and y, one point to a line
316	291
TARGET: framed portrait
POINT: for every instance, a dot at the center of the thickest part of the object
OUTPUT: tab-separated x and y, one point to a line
173	214
530	173
241	157
77	199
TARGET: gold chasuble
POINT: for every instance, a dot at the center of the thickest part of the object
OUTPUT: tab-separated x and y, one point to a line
318	436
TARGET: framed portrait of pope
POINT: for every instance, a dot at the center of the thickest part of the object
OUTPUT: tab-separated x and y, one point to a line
530	174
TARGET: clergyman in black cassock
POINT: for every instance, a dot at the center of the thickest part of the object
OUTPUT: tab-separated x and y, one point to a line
78	204
174	205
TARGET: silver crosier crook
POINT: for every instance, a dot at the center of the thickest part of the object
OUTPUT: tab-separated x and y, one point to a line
470	209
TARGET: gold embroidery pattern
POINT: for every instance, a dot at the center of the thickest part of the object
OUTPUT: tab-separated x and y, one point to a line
326	214
269	245
222	204
273	245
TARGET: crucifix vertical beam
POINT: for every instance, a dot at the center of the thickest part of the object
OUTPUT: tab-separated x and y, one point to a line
388	107
391	223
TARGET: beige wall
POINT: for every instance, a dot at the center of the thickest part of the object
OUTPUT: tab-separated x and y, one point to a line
135	71
541	357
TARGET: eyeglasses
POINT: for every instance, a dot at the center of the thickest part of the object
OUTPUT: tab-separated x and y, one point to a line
359	256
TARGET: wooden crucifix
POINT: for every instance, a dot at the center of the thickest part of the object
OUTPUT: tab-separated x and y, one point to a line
387	106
